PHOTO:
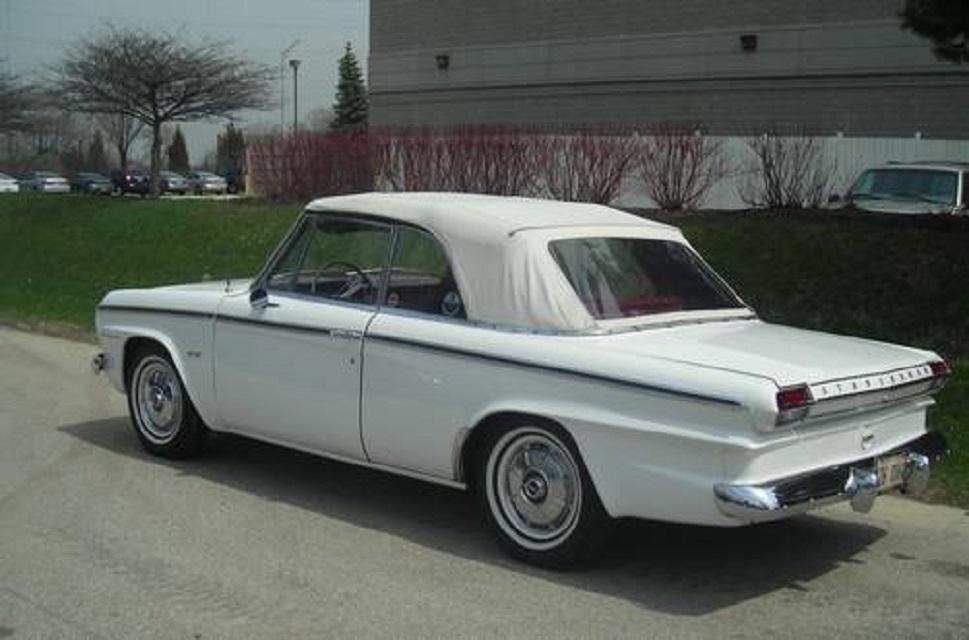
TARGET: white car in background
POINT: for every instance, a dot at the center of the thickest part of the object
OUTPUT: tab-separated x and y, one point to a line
203	182
8	184
569	363
914	188
45	182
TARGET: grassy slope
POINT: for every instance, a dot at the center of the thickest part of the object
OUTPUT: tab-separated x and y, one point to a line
59	255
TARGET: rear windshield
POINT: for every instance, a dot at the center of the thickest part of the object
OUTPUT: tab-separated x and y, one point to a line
626	277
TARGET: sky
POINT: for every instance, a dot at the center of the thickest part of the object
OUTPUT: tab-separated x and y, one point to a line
35	33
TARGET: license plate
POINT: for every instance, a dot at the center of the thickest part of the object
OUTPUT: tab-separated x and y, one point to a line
891	471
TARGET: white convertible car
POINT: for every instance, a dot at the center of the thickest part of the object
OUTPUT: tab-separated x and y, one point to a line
571	363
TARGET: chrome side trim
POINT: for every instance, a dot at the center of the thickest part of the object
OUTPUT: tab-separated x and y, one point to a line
453	351
857	482
159	310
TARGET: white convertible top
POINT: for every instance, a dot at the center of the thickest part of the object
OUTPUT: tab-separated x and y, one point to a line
498	247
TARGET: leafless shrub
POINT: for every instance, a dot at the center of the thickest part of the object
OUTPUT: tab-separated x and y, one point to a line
787	172
587	165
678	165
309	165
471	159
410	159
491	160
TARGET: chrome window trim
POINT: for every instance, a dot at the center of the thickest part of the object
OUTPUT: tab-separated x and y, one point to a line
741	305
261	281
450	263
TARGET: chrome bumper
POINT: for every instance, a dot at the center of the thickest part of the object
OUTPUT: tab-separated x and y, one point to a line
857	482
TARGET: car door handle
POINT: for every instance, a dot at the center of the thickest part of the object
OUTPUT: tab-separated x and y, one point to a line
346	334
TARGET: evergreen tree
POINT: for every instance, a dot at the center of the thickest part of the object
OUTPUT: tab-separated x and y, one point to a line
97	158
351	108
944	22
178	153
230	152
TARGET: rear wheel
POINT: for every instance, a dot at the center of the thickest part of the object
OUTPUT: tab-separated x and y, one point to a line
162	414
537	496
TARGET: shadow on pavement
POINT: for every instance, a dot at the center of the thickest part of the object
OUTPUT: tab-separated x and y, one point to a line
675	569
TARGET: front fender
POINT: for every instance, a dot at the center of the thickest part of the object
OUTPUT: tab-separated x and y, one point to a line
188	347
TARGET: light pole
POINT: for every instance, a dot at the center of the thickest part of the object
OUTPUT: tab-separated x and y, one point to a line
294	63
282	83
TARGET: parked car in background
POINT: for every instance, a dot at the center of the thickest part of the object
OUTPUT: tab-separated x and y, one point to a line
236	182
8	184
202	182
913	188
91	183
129	182
171	182
569	363
45	182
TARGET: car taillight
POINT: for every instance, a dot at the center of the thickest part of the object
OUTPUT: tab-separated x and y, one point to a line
793	403
940	373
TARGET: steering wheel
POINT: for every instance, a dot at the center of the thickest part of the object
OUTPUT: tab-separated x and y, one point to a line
354	284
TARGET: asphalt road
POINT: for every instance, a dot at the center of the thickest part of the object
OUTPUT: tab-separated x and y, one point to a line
99	540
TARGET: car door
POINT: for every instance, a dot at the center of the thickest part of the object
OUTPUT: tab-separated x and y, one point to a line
415	400
287	368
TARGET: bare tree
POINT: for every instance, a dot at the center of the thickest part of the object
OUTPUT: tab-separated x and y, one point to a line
157	79
787	171
17	103
679	166
121	131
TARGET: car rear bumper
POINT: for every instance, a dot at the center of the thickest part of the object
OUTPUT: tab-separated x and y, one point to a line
858	482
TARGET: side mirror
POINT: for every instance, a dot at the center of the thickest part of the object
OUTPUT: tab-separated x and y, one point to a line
259	298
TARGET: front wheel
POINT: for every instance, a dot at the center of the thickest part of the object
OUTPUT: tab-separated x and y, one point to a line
537	496
161	412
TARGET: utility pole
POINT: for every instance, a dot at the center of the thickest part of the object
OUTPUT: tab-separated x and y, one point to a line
282	84
294	63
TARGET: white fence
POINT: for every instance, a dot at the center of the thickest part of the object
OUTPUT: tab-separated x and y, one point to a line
848	156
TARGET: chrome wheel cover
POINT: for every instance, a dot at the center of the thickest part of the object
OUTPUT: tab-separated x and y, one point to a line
157	400
534	488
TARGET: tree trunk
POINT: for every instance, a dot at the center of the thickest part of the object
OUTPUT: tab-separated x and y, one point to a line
155	168
123	155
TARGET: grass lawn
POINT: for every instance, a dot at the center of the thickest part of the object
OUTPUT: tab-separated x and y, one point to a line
883	278
60	254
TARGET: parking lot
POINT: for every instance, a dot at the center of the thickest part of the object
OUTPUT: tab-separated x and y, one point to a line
99	540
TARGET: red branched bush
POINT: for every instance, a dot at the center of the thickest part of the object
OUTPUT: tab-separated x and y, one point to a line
678	165
585	165
787	171
308	165
471	159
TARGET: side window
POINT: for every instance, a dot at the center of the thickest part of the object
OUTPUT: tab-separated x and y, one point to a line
334	258
965	189
421	278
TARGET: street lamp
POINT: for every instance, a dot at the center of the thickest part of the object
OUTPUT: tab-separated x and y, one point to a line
294	63
282	83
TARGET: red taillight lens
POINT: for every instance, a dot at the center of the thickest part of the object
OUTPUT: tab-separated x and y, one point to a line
940	373
792	403
940	368
793	398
